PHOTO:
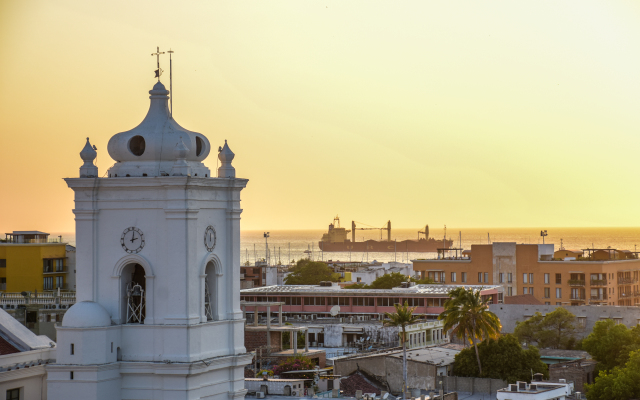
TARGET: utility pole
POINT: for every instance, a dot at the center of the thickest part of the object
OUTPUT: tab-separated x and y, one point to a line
266	246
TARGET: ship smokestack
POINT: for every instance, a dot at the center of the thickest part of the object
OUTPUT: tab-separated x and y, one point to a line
353	231
389	230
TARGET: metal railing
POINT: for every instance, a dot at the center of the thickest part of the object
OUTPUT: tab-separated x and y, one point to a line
623	281
576	282
598	282
50	269
578	297
598	298
31	241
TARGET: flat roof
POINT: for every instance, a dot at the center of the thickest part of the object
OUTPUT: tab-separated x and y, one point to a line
316	290
436	355
26	233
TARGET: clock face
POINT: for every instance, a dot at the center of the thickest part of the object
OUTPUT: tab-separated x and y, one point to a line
132	240
210	238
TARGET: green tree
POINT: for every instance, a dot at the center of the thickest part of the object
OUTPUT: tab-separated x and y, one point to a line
555	330
502	358
468	317
423	281
388	281
356	286
610	344
295	363
401	318
621	383
310	273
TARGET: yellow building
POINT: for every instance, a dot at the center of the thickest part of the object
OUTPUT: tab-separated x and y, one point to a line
30	261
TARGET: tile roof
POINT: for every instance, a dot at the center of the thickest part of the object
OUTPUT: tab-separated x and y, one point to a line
6	347
313	289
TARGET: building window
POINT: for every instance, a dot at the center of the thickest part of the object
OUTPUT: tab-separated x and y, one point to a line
414	302
359	301
524	278
582	322
509	278
59	282
479	277
547	303
464	277
531	279
387	301
525	290
546	279
293	301
453	277
501	277
314	301
558	279
13	394
72	349
3	263
442	274
558	293
486	277
547	293
558	303
509	291
48	283
70	374
338	301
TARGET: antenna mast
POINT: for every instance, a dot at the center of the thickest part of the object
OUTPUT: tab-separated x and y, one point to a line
170	82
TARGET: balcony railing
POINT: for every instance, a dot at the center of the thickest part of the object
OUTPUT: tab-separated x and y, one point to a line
46	298
598	282
598	298
578	297
48	269
625	281
576	282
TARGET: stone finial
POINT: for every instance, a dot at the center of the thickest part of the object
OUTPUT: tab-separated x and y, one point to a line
225	155
181	167
88	154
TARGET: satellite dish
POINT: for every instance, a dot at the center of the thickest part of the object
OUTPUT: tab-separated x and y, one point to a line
335	310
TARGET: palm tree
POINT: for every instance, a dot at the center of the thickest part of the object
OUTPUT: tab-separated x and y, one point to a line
468	317
401	318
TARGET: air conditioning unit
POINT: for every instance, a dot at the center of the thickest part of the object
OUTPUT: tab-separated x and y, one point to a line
521	385
533	387
259	395
578	395
513	387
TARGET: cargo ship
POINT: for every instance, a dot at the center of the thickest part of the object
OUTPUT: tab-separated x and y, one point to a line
336	239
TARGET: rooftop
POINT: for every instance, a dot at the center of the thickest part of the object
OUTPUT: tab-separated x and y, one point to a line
313	290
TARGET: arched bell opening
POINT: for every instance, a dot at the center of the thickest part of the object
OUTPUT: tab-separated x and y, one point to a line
134	285
210	292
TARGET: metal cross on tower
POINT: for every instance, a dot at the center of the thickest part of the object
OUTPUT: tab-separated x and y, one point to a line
157	54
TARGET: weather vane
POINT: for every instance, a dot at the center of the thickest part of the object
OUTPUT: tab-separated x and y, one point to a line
157	54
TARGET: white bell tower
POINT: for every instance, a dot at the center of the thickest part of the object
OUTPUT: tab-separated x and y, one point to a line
158	271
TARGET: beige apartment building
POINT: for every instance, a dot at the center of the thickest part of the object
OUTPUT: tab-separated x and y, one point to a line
538	270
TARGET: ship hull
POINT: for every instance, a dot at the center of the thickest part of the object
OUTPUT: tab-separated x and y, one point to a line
414	246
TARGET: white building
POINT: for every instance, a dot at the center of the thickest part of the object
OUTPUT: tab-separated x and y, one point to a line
23	356
536	391
371	273
158	271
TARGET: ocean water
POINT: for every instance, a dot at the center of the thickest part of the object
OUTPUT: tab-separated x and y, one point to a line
288	245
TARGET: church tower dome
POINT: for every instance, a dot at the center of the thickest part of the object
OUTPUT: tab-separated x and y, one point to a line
148	149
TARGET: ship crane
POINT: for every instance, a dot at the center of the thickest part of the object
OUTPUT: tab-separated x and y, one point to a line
384	228
425	233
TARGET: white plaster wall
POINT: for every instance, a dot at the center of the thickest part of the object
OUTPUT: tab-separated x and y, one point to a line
31	381
504	261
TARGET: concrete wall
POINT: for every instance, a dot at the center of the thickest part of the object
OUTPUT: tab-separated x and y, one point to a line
470	385
509	314
389	369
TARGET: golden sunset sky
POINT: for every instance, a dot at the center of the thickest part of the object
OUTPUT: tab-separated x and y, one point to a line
465	113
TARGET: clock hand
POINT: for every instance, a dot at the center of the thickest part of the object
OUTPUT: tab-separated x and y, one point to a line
133	237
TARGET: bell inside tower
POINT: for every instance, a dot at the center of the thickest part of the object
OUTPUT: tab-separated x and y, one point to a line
134	293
